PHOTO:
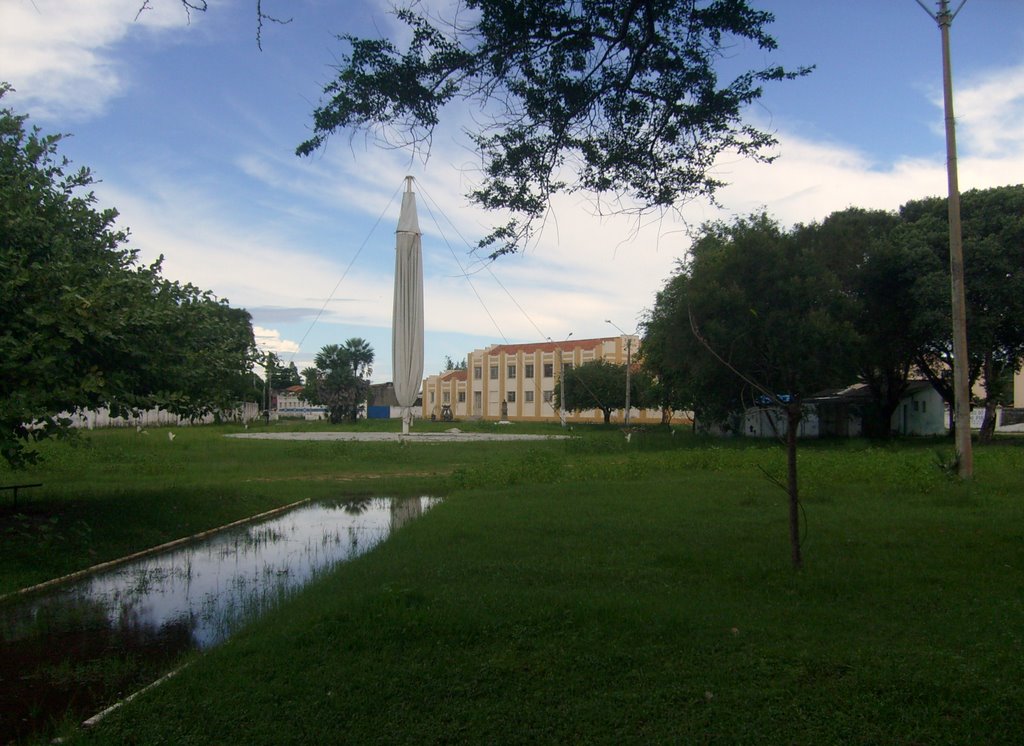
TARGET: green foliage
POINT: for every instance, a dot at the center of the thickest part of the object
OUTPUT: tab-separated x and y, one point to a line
282	376
606	96
880	271
763	318
597	384
450	364
993	244
340	379
83	324
883	279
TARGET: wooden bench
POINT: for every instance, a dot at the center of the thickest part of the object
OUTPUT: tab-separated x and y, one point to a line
15	487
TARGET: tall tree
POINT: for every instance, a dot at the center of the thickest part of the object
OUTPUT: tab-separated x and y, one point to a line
879	268
83	323
669	353
773	325
611	97
993	238
337	380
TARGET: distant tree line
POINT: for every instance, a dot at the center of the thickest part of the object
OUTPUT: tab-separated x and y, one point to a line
84	324
862	295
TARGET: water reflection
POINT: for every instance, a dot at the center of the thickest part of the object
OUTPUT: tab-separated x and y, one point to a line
88	643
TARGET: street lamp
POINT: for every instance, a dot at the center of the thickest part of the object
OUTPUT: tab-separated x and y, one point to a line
563	413
629	360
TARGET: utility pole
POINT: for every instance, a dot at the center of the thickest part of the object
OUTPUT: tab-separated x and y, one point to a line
961	388
269	369
563	413
629	362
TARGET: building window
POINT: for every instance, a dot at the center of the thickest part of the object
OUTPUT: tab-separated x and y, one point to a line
431	397
549	370
528	370
494	372
511	397
512	370
528	397
923	403
462	397
478	401
446	397
478	372
547	396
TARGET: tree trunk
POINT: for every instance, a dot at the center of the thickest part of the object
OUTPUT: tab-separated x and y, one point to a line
794	413
887	387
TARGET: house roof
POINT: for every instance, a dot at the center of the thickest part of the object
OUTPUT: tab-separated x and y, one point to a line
566	345
860	393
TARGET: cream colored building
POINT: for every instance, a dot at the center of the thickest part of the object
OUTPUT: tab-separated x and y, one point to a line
522	377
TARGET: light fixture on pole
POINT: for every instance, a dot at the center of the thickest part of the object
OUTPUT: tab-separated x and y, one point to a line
563	414
629	361
961	387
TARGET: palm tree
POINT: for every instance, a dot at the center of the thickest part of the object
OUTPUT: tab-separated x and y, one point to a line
340	379
360	355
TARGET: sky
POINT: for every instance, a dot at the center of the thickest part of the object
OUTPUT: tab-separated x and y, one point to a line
191	130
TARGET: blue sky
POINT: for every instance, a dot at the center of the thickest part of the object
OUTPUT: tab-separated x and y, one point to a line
192	130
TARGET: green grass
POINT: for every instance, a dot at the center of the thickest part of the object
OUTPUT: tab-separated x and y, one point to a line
603	592
114	492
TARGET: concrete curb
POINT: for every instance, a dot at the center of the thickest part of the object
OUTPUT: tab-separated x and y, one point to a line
144	553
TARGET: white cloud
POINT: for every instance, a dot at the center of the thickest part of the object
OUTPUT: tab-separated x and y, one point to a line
582	270
60	55
269	340
990	113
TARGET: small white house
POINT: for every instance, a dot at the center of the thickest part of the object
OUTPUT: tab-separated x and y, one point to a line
771	422
839	413
922	411
291	404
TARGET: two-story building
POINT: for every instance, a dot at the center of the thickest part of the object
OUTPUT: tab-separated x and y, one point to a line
516	382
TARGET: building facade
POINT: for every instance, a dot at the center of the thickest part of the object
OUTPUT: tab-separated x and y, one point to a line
517	382
289	403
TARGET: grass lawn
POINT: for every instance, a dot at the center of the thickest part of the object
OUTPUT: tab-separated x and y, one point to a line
588	591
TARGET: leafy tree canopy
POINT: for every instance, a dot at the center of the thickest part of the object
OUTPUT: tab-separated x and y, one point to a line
340	379
993	239
597	384
612	97
83	323
282	376
450	364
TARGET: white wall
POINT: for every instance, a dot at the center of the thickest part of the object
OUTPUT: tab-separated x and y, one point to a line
91	419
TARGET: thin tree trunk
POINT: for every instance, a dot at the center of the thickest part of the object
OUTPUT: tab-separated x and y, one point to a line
793	416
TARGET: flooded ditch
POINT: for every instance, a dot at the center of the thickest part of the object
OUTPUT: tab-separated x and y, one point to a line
71	650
